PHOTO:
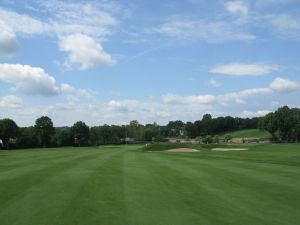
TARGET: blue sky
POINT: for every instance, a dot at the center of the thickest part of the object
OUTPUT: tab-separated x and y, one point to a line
154	61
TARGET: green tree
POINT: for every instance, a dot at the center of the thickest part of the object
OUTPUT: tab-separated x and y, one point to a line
81	133
44	130
284	122
269	124
206	125
175	128
27	138
227	138
62	137
95	136
191	130
295	131
8	130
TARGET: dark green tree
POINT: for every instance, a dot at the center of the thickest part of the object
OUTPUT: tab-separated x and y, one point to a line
295	131
44	130
284	122
206	125
191	130
62	137
269	124
27	138
175	128
81	133
8	130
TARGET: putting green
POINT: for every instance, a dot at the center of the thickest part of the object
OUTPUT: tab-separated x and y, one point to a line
124	185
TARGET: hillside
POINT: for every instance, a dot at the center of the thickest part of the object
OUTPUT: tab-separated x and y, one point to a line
249	133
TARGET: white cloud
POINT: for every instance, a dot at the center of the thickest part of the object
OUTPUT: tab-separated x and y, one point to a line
21	23
90	18
279	85
85	51
238	69
214	83
77	91
8	41
282	85
11	101
200	99
30	80
286	26
237	7
201	29
223	99
258	113
170	107
66	20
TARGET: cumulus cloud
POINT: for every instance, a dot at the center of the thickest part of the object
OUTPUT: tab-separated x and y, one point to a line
278	85
282	85
11	101
65	19
85	51
28	79
170	107
8	41
236	97
238	69
237	7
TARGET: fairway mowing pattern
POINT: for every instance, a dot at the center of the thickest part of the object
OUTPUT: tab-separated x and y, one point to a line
125	185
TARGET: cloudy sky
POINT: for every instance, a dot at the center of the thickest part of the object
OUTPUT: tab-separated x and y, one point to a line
115	61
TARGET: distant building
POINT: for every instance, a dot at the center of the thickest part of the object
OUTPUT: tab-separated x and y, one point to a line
128	140
1	143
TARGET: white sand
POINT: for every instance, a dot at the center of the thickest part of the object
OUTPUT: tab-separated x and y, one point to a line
229	149
182	150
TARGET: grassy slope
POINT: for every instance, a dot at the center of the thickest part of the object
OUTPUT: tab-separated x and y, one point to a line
125	185
254	133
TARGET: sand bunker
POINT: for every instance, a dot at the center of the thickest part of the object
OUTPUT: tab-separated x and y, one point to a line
182	150
229	149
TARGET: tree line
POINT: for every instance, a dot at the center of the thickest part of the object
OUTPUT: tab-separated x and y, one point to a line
283	124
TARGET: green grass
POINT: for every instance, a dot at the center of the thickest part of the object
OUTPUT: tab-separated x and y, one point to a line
248	133
125	185
166	145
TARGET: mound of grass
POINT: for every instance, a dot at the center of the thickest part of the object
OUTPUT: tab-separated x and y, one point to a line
248	133
164	146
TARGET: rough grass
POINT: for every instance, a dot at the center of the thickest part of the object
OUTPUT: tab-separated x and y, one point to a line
164	146
248	133
86	186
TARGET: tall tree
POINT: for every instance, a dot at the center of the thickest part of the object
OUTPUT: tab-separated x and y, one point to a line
206	124
175	128
81	133
268	123
8	130
295	131
284	121
44	130
191	130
